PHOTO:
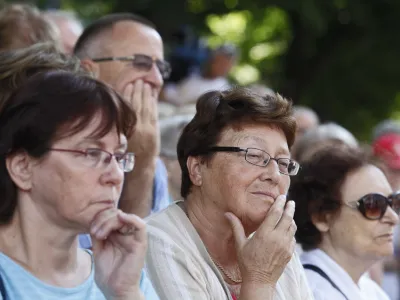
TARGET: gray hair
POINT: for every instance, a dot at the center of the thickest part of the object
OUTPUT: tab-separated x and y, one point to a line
299	109
385	127
170	129
329	132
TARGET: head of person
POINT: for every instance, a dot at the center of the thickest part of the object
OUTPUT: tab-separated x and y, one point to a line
16	66
69	26
221	61
235	153
123	48
307	144
345	205
386	150
170	131
22	25
306	119
62	148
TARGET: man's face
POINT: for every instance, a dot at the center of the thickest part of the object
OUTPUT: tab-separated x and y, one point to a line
126	39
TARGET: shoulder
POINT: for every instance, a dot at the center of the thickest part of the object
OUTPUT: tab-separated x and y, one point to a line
371	289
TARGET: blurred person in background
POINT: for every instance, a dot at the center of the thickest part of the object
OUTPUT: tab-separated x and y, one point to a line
126	51
213	76
386	154
306	119
346	212
63	150
22	25
305	146
69	26
171	129
236	170
16	67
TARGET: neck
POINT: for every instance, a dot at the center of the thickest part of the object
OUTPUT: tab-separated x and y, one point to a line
37	244
213	227
354	265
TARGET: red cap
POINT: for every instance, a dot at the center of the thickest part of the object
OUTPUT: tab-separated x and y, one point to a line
387	147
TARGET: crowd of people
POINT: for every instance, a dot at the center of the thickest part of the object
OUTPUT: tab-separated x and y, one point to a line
116	186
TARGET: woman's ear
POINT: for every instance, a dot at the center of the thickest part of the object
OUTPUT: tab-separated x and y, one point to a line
194	165
19	166
321	221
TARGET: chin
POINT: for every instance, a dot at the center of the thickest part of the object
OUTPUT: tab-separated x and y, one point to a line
252	221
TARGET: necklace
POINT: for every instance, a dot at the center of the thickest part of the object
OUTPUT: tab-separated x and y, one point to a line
230	277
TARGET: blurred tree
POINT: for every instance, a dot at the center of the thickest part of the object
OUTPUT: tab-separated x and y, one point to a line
340	57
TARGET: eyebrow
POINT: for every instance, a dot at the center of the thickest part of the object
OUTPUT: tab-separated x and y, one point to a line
100	144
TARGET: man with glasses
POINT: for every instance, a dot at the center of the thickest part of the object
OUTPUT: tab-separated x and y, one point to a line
125	51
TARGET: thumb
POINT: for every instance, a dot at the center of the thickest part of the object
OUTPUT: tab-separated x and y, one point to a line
238	230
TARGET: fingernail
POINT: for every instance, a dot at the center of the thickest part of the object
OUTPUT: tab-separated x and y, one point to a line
228	216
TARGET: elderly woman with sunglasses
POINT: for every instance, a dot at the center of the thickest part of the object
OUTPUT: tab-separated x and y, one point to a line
232	237
63	141
345	213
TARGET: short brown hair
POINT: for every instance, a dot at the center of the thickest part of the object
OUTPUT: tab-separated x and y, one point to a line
317	188
16	66
49	106
22	25
217	110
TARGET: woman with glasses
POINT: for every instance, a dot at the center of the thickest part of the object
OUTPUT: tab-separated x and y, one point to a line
63	157
232	237
345	213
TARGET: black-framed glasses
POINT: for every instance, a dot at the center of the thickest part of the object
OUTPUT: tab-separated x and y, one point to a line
373	206
142	62
95	158
261	158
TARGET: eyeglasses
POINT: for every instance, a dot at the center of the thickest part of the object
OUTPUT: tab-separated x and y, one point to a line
142	62
261	158
373	206
94	158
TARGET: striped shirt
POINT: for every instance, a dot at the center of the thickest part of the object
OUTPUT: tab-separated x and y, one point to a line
180	267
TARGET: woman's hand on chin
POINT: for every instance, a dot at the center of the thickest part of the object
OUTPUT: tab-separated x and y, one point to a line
119	248
263	257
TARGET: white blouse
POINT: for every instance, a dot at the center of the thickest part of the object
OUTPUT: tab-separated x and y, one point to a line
366	289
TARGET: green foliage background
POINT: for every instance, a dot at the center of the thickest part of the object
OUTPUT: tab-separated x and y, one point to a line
341	57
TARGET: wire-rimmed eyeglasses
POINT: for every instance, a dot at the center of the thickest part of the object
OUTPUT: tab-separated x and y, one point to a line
261	158
94	158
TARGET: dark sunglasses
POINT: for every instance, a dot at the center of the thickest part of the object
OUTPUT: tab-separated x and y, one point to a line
373	206
142	62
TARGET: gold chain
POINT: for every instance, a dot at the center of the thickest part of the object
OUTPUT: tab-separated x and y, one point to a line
237	281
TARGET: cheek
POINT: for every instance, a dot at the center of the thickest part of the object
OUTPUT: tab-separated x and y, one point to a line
284	184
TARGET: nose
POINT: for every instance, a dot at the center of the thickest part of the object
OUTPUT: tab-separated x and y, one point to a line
391	216
113	174
154	77
271	172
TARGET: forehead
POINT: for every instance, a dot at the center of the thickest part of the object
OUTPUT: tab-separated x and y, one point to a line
265	137
130	38
365	180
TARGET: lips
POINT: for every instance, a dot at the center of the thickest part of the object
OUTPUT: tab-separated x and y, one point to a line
265	194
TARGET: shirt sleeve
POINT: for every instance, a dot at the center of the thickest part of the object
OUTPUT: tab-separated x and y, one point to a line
161	197
173	273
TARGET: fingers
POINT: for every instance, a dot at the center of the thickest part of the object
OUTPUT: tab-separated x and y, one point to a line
134	222
287	222
127	93
104	223
274	214
137	99
238	230
149	104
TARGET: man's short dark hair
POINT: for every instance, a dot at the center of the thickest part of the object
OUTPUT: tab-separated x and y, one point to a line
102	24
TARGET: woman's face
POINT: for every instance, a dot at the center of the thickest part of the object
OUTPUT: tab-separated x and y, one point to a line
235	185
69	192
350	231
